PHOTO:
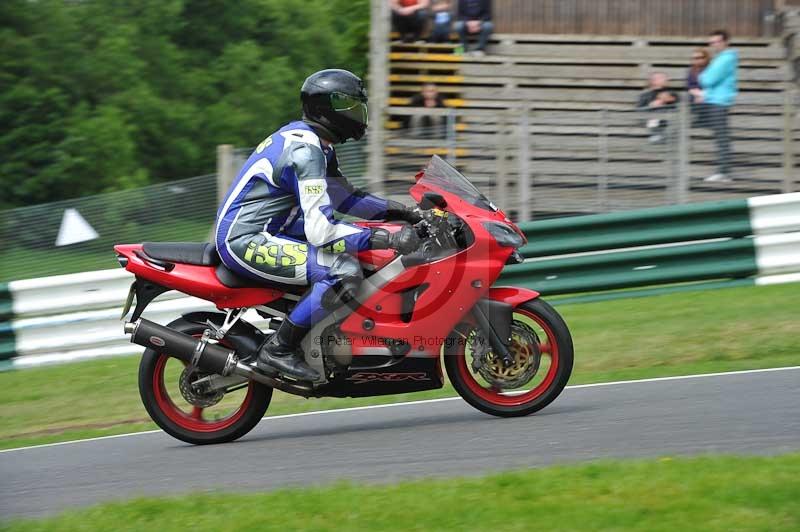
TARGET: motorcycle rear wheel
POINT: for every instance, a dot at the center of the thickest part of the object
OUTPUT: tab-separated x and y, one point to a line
554	351
158	381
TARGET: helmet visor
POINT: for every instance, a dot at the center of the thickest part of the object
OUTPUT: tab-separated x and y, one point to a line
350	106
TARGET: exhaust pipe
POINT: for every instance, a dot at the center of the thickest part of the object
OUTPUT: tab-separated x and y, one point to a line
212	358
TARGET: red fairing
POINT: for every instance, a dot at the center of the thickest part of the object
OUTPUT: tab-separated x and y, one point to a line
375	259
511	295
198	281
447	289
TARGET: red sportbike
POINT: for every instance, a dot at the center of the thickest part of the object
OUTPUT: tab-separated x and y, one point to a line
506	352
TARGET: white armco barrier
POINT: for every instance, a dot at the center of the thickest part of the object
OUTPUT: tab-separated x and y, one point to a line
75	292
95	334
777	254
775	214
77	316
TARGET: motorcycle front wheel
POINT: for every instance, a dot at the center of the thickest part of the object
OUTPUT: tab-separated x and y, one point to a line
543	354
164	387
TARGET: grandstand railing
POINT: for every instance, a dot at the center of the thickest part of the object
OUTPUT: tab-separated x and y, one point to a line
539	161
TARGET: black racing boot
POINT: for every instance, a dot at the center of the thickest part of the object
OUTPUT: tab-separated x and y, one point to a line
280	353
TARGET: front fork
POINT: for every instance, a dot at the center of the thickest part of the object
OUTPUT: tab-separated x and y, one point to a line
494	319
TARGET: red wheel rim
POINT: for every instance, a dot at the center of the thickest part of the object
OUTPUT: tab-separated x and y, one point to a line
549	346
192	421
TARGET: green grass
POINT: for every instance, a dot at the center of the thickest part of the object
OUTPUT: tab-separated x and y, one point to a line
676	334
708	493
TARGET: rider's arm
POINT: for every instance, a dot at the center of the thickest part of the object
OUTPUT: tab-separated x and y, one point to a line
311	188
348	199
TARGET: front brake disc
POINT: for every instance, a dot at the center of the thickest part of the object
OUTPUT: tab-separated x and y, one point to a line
524	348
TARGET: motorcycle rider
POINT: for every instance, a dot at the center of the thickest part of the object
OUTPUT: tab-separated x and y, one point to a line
276	222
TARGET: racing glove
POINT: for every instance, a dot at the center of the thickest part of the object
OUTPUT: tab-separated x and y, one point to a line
405	240
397	211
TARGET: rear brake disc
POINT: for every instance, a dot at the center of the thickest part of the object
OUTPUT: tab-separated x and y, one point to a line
193	397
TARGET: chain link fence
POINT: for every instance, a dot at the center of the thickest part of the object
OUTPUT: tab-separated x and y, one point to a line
173	211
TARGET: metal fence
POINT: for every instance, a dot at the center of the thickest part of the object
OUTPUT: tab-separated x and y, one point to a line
536	162
78	235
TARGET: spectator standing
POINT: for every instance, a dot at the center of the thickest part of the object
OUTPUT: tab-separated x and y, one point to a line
441	21
658	97
474	17
409	18
700	60
719	88
427	126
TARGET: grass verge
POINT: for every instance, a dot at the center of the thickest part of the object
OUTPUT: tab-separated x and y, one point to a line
707	493
675	334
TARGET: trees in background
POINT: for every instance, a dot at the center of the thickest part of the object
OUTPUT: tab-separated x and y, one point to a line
100	95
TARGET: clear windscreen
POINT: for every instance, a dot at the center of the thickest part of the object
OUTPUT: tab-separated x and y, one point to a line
439	173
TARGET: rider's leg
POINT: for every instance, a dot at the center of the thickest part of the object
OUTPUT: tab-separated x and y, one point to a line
335	279
281	351
282	260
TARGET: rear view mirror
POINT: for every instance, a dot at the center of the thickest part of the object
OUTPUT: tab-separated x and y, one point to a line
431	200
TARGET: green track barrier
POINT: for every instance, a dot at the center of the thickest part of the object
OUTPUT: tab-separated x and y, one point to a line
624	269
6	302
680	223
8	343
8	348
650	292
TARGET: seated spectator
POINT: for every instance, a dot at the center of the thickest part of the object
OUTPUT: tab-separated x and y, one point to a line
441	21
474	17
409	18
657	97
426	126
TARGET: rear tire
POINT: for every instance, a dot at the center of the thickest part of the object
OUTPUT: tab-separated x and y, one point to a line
184	426
557	344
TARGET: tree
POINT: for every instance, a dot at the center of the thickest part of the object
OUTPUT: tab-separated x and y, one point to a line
98	96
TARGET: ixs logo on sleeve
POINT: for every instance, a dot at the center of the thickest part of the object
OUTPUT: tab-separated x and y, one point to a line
313	190
336	247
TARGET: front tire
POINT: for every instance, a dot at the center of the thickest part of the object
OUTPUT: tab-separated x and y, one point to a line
159	388
553	356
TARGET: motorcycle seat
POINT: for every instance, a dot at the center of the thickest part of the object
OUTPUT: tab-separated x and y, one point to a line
231	279
195	253
205	254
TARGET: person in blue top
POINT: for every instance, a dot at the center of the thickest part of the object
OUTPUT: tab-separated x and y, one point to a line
718	90
276	222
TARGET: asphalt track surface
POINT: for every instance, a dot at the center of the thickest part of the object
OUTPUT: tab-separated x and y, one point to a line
743	413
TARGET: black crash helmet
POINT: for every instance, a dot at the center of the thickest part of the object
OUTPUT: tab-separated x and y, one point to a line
335	101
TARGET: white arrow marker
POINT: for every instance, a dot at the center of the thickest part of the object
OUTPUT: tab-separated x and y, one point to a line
74	228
